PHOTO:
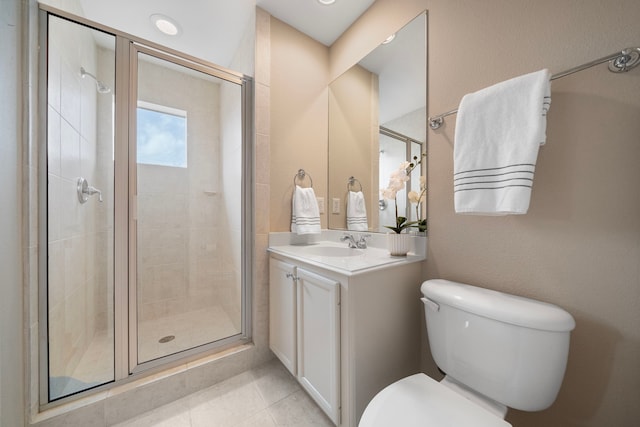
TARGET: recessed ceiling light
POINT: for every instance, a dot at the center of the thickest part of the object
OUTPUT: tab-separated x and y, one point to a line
327	2
165	24
389	39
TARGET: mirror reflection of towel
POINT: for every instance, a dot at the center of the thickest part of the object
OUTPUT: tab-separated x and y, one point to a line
305	215
356	212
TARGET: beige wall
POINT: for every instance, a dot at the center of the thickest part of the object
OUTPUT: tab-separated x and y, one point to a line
578	246
299	78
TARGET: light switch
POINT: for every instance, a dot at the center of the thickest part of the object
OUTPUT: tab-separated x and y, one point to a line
335	206
320	204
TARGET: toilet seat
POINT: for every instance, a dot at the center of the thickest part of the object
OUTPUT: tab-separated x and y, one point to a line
420	401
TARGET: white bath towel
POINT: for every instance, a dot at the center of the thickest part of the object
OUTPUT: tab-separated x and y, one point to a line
356	212
305	215
498	133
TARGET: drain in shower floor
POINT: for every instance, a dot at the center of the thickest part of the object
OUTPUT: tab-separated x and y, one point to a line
167	339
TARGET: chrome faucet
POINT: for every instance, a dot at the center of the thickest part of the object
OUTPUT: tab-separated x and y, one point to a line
85	190
360	244
350	240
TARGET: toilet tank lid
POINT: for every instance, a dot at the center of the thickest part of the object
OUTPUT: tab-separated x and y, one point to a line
499	306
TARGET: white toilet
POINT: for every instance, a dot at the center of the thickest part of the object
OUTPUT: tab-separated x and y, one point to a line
497	350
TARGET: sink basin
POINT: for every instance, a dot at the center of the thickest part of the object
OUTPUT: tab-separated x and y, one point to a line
337	256
330	251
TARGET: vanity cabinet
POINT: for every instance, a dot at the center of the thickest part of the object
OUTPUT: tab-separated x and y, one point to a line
345	335
282	313
305	331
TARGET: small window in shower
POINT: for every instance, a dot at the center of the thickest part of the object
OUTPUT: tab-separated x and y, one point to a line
162	135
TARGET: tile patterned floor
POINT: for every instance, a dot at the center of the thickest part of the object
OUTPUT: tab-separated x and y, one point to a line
267	396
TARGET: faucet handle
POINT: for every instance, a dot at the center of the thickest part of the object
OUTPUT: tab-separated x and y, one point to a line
93	190
362	242
85	190
349	238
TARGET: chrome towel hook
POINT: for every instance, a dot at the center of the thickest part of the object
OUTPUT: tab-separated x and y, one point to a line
300	177
351	183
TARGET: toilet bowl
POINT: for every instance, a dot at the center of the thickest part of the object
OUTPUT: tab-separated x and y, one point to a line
498	351
419	401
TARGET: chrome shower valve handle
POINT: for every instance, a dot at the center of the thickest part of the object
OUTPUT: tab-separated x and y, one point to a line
85	190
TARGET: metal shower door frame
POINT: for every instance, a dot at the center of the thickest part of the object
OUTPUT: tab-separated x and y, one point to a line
126	47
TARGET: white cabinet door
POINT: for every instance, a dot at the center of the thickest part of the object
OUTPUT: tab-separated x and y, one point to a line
282	313
319	340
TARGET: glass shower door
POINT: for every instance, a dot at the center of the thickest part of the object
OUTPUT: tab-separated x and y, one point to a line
144	207
79	238
188	187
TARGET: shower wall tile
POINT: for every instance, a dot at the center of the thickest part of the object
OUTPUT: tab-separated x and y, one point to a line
69	151
54	211
70	93
261	301
53	141
262	188
88	102
71	220
77	271
53	84
88	163
56	273
262	156
263	114
75	259
262	206
263	47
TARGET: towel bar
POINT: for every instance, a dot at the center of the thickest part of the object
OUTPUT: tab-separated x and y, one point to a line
619	62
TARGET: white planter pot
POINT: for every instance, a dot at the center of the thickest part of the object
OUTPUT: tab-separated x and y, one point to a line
398	244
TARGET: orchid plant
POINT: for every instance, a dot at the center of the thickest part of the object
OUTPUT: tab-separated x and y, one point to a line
397	182
418	198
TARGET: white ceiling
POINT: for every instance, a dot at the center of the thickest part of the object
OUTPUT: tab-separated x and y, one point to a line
324	23
205	23
213	29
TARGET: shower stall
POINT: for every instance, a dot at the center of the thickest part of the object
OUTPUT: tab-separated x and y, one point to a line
145	207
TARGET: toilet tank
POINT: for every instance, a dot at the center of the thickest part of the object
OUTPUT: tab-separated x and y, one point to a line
509	348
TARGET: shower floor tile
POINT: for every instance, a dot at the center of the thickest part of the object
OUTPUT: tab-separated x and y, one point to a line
267	396
189	330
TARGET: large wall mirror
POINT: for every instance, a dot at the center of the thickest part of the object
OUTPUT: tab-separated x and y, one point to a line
377	120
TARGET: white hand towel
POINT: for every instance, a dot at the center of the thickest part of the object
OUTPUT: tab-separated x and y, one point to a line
356	212
498	133
305	215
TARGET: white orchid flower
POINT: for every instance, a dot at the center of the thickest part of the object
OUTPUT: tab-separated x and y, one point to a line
414	197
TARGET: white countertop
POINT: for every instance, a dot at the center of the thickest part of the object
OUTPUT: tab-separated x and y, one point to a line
326	251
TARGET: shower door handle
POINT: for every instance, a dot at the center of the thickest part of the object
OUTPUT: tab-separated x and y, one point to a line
85	190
